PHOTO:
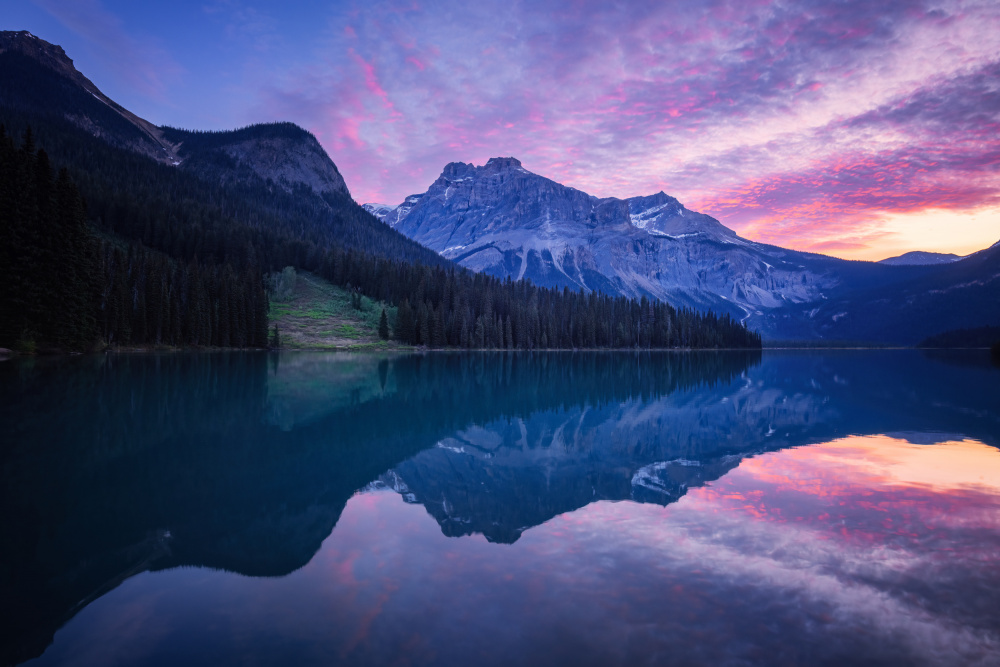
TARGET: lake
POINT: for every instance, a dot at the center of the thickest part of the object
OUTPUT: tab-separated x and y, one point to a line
775	508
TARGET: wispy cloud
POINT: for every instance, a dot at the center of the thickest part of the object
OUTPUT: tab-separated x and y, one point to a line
937	147
246	24
801	122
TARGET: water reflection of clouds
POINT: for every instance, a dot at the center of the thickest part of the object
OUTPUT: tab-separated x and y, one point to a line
889	539
865	550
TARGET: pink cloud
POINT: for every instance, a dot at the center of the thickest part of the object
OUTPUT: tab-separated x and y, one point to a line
794	118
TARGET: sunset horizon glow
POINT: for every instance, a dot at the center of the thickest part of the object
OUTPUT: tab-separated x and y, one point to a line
854	129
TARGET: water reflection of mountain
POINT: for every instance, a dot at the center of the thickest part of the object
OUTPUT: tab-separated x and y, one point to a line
504	477
116	465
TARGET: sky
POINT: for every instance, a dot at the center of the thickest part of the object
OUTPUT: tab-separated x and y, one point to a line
854	128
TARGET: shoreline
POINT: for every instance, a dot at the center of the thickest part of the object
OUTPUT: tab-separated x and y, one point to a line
385	347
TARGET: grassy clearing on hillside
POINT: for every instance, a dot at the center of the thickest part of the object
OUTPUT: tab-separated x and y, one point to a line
313	314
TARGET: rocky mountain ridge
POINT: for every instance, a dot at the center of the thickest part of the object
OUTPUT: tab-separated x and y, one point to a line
283	153
148	139
504	220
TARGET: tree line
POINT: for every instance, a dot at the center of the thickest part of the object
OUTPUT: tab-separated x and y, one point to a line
452	307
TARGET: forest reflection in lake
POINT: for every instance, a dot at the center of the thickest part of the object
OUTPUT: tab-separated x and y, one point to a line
598	508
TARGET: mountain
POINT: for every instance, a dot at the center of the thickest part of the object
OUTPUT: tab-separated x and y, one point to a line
380	211
919	258
958	295
503	220
281	152
40	78
179	228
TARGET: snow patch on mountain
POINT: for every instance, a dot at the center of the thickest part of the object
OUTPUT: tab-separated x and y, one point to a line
380	211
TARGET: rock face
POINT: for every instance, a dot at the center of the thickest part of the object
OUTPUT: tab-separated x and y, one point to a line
291	161
283	153
380	211
503	220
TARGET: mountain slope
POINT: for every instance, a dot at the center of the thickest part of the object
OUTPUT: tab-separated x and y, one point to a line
958	295
503	220
283	153
39	78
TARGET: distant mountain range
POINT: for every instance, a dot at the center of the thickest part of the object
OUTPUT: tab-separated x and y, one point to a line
504	220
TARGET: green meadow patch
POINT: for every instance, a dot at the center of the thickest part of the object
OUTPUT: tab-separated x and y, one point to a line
311	313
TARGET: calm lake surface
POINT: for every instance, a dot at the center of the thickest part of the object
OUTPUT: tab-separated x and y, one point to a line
784	508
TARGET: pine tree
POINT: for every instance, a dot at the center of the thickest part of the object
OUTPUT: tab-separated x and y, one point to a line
383	326
404	323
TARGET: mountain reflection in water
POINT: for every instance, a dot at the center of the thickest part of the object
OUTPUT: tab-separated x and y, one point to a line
736	544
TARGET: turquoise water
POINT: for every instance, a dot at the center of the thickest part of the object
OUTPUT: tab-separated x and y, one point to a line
457	509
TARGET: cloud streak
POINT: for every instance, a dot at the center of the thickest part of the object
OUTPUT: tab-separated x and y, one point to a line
800	122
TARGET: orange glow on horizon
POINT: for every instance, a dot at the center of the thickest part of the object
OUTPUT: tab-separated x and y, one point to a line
889	235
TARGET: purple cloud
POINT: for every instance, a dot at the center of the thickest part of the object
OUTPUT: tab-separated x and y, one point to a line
936	148
747	110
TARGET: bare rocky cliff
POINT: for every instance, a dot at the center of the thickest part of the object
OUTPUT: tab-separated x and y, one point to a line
282	153
506	221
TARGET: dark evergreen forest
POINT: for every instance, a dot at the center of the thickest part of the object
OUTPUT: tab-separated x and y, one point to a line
65	287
